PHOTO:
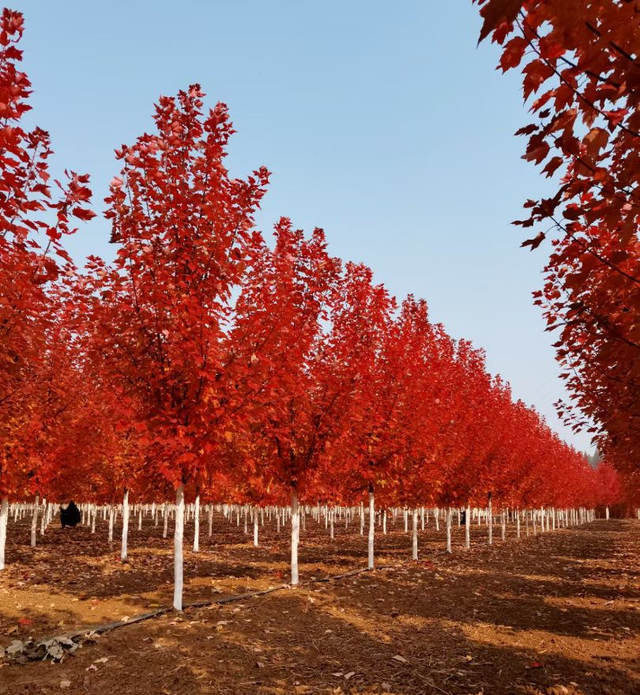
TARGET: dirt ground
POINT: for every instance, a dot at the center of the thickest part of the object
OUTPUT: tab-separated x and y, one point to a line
557	613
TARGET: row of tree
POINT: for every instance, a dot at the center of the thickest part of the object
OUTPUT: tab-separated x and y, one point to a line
206	361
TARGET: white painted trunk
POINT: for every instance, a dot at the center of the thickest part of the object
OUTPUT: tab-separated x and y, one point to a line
165	514
448	529
606	513
255	528
178	538
196	528
372	531
295	536
503	519
490	521
467	528
140	519
111	519
436	516
210	520
4	516
34	522
43	520
518	523
414	539
384	522
125	525
93	519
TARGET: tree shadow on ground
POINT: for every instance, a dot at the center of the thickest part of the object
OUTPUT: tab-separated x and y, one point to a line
307	641
540	600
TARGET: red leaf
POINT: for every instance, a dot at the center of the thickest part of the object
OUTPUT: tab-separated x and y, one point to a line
497	12
84	214
535	242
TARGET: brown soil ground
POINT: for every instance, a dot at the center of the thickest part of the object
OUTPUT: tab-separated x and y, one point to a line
557	613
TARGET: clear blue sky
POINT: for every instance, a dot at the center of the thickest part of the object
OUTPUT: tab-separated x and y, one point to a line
381	122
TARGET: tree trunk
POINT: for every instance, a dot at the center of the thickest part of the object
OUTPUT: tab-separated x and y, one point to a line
414	544
210	520
125	525
490	520
4	516
178	536
111	520
165	514
448	529
518	523
43	521
34	522
295	536
196	528
467	528
255	527
372	529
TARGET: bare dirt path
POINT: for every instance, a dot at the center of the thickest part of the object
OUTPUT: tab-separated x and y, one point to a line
555	613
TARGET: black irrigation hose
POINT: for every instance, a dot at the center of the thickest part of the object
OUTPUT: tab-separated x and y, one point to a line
79	636
108	627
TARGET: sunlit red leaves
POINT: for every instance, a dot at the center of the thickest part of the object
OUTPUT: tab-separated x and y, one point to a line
182	225
33	386
513	52
582	55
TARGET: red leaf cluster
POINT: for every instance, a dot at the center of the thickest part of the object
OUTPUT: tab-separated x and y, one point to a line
581	60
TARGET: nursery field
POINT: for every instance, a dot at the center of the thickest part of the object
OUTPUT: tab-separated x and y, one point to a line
554	613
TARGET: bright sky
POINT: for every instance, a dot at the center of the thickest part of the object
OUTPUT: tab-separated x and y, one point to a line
381	122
